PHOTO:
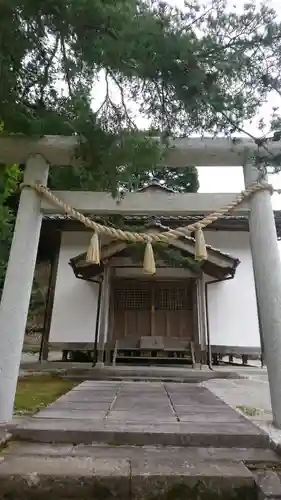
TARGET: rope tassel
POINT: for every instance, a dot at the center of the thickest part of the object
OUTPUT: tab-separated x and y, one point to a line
149	260
93	253
200	246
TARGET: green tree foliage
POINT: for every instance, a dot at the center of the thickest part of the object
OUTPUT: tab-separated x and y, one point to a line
184	180
9	179
180	180
202	69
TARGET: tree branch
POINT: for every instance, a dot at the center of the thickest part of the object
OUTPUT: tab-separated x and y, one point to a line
129	119
260	142
47	67
106	98
66	66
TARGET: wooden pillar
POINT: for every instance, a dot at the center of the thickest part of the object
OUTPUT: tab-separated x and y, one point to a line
201	319
18	284
44	349
103	324
110	328
197	324
152	309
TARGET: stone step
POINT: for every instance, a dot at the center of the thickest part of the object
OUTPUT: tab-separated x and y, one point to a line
135	378
98	477
86	371
75	431
146	374
255	458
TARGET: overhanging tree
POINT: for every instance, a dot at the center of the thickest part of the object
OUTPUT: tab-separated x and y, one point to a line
9	178
204	69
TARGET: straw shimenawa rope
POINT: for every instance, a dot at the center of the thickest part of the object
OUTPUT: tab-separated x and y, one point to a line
93	254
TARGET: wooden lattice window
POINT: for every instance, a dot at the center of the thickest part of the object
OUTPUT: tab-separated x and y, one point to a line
134	298
172	299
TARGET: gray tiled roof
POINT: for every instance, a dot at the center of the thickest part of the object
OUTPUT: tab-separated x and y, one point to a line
129	218
163	217
145	217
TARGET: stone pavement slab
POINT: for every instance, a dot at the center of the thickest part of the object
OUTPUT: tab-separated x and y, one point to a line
191	409
72	466
83	397
72	414
79	405
205	418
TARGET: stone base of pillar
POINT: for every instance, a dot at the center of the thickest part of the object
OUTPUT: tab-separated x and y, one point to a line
99	364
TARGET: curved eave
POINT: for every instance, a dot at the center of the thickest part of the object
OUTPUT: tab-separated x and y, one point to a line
218	265
85	271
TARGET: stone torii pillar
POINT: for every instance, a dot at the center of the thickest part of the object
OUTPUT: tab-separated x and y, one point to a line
267	274
18	284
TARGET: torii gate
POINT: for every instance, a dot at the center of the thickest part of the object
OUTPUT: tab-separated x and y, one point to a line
58	150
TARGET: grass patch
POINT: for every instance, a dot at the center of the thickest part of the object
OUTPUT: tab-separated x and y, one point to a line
37	392
249	411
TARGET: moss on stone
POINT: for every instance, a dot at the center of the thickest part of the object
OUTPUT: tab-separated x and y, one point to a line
249	410
202	491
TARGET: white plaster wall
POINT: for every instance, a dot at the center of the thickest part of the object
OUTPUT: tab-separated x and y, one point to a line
233	316
75	301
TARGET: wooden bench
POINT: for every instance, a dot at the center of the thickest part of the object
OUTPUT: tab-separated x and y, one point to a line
167	349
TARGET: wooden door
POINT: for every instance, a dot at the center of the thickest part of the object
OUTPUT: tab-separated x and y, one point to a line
173	315
143	308
132	309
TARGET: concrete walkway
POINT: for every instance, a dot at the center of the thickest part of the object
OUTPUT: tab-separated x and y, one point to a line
251	397
142	413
